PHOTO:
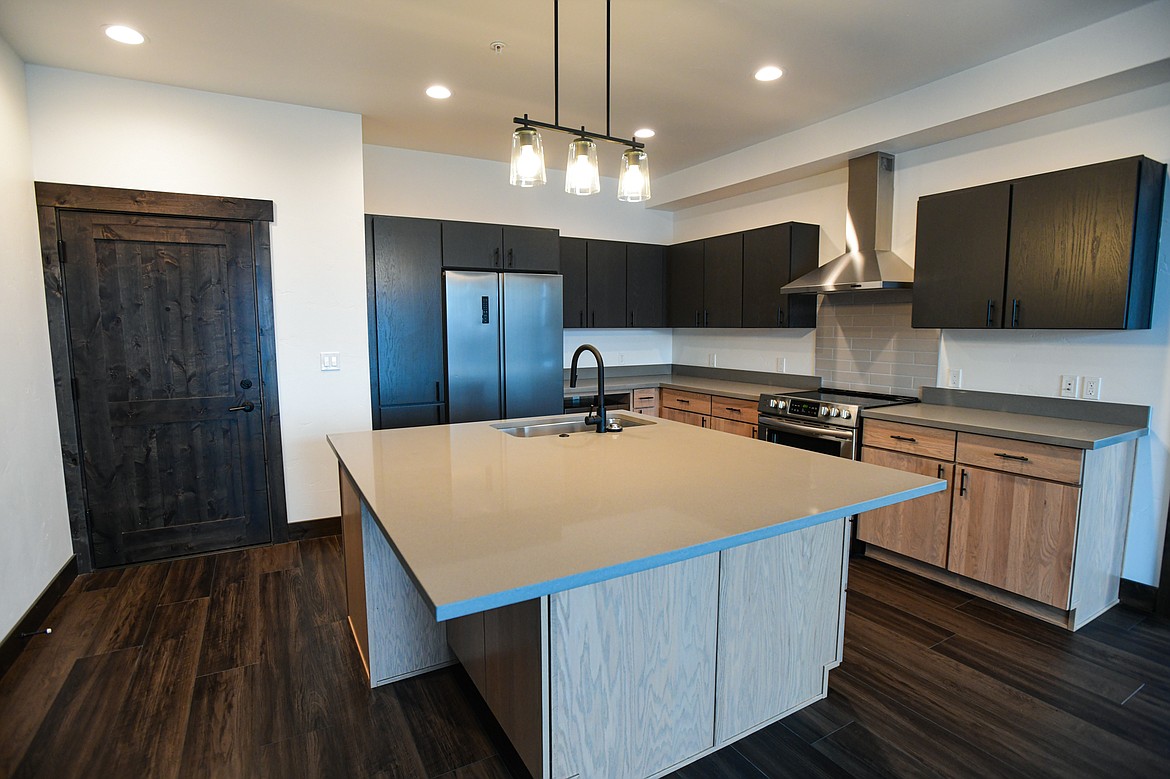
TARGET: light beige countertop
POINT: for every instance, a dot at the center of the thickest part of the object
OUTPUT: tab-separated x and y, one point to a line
482	519
1076	433
679	381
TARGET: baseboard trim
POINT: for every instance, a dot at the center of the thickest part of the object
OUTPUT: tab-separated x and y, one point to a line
1142	597
314	528
13	644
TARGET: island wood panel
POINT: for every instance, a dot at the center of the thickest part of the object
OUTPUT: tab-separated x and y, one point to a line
1015	532
912	439
1041	461
745	429
355	577
465	636
779	620
918	528
513	638
405	640
1101	528
632	671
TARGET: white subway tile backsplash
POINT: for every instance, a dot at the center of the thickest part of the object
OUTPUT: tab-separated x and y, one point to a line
864	341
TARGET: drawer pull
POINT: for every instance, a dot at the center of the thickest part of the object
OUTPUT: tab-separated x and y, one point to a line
1017	457
904	438
682	400
733	410
963	483
940	471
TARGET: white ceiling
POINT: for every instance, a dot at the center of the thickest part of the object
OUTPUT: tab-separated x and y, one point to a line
683	67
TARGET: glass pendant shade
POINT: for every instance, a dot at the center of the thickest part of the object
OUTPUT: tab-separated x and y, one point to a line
581	176
527	158
634	177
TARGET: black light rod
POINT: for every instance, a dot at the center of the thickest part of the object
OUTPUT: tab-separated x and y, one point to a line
631	142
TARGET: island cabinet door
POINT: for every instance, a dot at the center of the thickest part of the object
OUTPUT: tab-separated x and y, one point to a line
632	671
780	603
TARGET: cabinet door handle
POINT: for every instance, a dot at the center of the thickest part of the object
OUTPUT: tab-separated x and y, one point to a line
1015	312
1016	457
941	472
706	318
904	438
581	317
779	316
696	319
631	319
247	406
438	392
511	259
496	258
593	319
990	311
963	483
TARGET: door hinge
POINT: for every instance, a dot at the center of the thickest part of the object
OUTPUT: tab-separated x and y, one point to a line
61	251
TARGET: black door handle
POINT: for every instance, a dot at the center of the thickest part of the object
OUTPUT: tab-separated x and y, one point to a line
1015	312
496	257
246	407
511	259
990	311
779	316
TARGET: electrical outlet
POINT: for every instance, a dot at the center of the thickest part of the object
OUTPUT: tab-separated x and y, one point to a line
954	378
711	360
1068	386
1091	388
621	358
781	364
330	361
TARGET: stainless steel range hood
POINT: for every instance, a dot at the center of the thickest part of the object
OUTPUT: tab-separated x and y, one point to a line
868	263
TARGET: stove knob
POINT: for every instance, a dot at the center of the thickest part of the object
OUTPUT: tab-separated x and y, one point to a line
780	404
834	411
773	403
824	411
844	413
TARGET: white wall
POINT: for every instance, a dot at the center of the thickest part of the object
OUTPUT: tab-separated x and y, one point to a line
112	132
34	520
621	347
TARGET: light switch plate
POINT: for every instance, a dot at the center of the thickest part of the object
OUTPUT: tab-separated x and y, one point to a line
1091	388
1068	386
330	361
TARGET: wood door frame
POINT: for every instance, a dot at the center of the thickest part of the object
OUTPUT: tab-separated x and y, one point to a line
52	198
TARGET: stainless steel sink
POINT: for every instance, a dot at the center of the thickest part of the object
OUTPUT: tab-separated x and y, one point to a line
542	427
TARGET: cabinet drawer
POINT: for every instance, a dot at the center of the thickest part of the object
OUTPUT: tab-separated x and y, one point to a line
1041	461
645	398
686	401
914	439
686	417
745	429
735	409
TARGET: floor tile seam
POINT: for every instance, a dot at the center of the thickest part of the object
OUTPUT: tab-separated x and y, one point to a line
735	747
895	703
223	670
493	755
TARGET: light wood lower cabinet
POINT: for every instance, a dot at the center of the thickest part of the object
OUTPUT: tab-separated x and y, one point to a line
645	401
717	412
1037	527
1016	533
916	528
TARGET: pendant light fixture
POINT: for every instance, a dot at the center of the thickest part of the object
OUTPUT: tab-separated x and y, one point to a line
581	173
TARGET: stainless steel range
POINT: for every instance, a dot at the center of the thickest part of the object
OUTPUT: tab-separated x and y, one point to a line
824	420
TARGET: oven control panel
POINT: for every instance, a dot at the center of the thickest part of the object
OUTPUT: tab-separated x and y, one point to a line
809	409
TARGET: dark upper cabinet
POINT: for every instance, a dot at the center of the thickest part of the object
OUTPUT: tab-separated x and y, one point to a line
405	306
772	257
960	256
645	285
500	247
472	245
723	281
684	273
1083	245
606	265
530	248
1074	249
574	281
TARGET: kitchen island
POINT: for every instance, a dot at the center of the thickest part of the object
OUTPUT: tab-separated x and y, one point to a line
624	602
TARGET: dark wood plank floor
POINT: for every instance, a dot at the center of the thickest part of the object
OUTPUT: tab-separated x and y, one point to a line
241	664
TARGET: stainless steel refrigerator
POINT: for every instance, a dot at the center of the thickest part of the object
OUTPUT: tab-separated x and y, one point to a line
505	349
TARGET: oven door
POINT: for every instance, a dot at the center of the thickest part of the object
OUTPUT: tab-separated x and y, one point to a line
837	442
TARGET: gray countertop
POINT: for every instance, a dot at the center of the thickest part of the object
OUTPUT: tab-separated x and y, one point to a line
1076	433
685	382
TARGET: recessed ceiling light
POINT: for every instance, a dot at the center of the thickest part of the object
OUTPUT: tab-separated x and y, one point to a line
645	132
768	73
123	34
438	92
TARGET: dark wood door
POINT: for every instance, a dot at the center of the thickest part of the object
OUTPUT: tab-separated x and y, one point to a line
472	245
573	282
1071	244
531	248
166	370
684	273
405	266
645	285
773	256
607	284
960	257
723	281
